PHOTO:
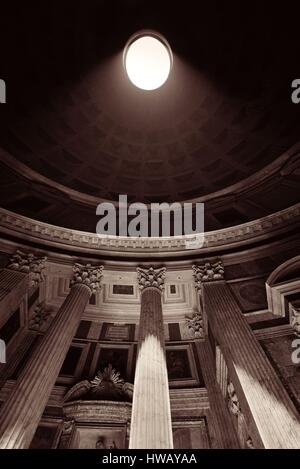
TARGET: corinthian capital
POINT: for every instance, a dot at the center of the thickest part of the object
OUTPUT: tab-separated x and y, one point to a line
89	275
208	271
28	263
151	278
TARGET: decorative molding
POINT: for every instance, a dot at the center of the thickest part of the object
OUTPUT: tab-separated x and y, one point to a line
44	233
107	412
277	296
151	278
188	403
111	308
208	272
273	332
295	320
107	385
89	275
28	263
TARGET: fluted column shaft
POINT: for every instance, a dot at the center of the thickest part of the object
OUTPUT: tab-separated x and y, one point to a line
7	369
24	271
13	287
151	425
21	413
263	398
224	429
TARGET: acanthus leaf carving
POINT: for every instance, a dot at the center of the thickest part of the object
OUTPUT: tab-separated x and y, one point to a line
28	262
207	272
151	278
89	275
42	316
194	325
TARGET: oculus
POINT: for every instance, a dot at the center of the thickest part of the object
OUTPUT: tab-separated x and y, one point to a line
147	60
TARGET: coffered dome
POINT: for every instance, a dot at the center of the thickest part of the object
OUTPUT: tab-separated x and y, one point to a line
73	117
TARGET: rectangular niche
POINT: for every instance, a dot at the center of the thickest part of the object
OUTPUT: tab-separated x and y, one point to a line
117	356
73	363
46	435
191	434
123	289
100	437
182	370
70	363
117	332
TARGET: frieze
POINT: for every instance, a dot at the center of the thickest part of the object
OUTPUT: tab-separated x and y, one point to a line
248	232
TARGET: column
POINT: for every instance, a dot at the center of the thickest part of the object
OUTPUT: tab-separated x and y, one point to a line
270	416
8	368
21	413
223	425
222	432
151	425
24	271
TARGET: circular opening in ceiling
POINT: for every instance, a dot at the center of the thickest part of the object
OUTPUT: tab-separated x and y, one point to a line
148	60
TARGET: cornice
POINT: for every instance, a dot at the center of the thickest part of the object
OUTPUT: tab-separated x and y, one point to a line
44	234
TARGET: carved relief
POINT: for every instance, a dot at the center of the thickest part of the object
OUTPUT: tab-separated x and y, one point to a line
295	320
151	278
233	402
101	443
193	326
249	443
235	409
68	428
208	272
107	385
89	275
41	317
28	263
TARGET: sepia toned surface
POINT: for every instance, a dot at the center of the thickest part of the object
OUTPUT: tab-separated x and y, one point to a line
117	342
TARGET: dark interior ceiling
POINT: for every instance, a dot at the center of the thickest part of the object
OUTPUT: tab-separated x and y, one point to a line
71	114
